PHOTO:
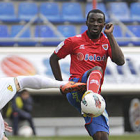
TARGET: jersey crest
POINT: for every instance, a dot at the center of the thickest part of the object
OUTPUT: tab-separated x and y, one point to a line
10	88
105	46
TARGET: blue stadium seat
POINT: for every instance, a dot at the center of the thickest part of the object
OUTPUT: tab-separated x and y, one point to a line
4	31
44	31
100	6
135	29
120	11
4	34
119	34
83	28
67	30
135	11
15	29
72	12
26	11
7	12
51	11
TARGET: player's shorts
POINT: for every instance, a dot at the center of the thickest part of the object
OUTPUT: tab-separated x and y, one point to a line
92	125
1	127
7	90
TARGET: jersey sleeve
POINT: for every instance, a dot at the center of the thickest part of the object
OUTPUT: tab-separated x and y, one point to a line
64	48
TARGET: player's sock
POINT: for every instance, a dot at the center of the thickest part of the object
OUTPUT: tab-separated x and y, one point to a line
93	82
39	82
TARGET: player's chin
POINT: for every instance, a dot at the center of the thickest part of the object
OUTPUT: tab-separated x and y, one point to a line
95	34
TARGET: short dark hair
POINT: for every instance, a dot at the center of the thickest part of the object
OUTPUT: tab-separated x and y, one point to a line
95	11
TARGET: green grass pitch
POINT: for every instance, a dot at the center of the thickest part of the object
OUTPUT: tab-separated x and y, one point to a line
124	137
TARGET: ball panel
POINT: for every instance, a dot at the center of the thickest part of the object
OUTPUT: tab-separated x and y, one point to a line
92	104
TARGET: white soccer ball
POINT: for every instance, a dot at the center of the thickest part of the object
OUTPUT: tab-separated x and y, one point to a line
92	104
25	131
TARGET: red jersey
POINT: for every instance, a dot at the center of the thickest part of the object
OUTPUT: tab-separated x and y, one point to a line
85	53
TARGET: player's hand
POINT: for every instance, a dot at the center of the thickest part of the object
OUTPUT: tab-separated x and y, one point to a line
7	127
109	28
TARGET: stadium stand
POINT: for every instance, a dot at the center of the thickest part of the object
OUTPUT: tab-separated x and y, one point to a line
7	12
27	11
4	34
117	9
118	33
135	11
83	28
100	6
135	29
17	32
72	12
44	31
67	30
51	11
60	13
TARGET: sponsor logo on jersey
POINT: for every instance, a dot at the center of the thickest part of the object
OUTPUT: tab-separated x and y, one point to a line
105	46
82	46
10	88
94	57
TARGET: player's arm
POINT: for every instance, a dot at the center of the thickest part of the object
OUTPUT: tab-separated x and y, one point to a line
117	55
55	67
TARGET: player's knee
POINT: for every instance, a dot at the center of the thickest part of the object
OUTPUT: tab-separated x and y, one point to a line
97	68
100	136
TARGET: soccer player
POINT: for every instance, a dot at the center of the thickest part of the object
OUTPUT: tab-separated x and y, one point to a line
10	85
89	52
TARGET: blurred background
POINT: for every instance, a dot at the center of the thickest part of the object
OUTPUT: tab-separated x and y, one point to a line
30	30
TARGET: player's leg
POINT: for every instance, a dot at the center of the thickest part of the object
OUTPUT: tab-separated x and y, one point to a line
100	136
7	90
98	127
40	82
94	79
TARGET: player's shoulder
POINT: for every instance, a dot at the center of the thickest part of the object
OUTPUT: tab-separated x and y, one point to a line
77	37
104	38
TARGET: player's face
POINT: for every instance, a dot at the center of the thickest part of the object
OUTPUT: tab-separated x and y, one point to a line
95	23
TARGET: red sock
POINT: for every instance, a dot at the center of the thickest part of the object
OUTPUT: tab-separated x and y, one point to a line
93	82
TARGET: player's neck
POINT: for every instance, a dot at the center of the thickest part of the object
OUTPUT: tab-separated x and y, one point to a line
96	37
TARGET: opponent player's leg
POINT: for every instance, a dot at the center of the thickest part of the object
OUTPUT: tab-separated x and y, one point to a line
40	82
7	90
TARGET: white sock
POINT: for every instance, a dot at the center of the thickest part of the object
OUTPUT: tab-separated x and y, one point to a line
39	82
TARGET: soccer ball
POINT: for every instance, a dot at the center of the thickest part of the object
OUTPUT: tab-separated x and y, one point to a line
92	104
25	131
